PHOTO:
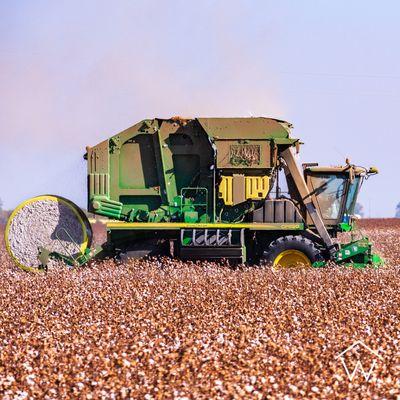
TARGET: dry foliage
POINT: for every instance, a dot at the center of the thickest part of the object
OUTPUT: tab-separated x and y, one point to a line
167	329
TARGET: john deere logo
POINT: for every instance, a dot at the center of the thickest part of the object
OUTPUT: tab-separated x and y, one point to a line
359	358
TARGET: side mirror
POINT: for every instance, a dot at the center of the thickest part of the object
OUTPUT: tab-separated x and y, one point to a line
373	171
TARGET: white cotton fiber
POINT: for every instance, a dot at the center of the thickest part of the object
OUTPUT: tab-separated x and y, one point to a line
38	223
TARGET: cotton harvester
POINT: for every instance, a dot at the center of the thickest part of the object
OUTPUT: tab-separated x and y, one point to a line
203	188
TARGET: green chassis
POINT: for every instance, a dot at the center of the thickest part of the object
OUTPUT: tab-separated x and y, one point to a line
357	254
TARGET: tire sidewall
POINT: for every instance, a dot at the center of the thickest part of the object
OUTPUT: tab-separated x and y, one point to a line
298	243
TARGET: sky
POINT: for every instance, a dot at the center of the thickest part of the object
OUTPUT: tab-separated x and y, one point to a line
73	73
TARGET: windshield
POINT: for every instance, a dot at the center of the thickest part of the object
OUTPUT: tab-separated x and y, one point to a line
329	190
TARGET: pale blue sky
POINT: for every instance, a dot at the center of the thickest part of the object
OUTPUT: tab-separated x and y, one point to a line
75	72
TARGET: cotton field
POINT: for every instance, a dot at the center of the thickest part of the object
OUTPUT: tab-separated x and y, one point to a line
159	329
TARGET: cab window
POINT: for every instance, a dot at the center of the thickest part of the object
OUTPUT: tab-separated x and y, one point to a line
329	190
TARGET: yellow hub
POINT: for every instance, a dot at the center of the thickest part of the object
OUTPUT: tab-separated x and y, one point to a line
292	259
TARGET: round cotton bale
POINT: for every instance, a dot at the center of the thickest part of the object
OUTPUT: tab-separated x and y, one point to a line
46	221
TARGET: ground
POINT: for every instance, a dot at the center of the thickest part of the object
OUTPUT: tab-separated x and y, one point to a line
168	329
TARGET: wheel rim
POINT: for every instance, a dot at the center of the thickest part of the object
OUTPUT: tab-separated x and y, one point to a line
292	259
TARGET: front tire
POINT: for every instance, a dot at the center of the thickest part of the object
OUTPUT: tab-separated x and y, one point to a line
291	252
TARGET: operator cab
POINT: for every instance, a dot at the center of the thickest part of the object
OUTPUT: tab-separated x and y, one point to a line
334	191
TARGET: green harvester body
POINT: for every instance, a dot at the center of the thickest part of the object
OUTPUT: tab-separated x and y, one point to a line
211	188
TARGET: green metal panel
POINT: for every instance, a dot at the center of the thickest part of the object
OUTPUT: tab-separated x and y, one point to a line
245	128
137	167
166	152
138	174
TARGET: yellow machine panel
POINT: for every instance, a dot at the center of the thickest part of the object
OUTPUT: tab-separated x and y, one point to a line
226	190
257	187
239	188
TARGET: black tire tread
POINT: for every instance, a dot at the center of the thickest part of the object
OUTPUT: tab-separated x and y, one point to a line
295	242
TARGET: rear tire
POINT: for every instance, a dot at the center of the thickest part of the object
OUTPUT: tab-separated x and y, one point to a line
291	252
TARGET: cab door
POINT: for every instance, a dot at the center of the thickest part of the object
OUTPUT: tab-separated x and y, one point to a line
328	191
